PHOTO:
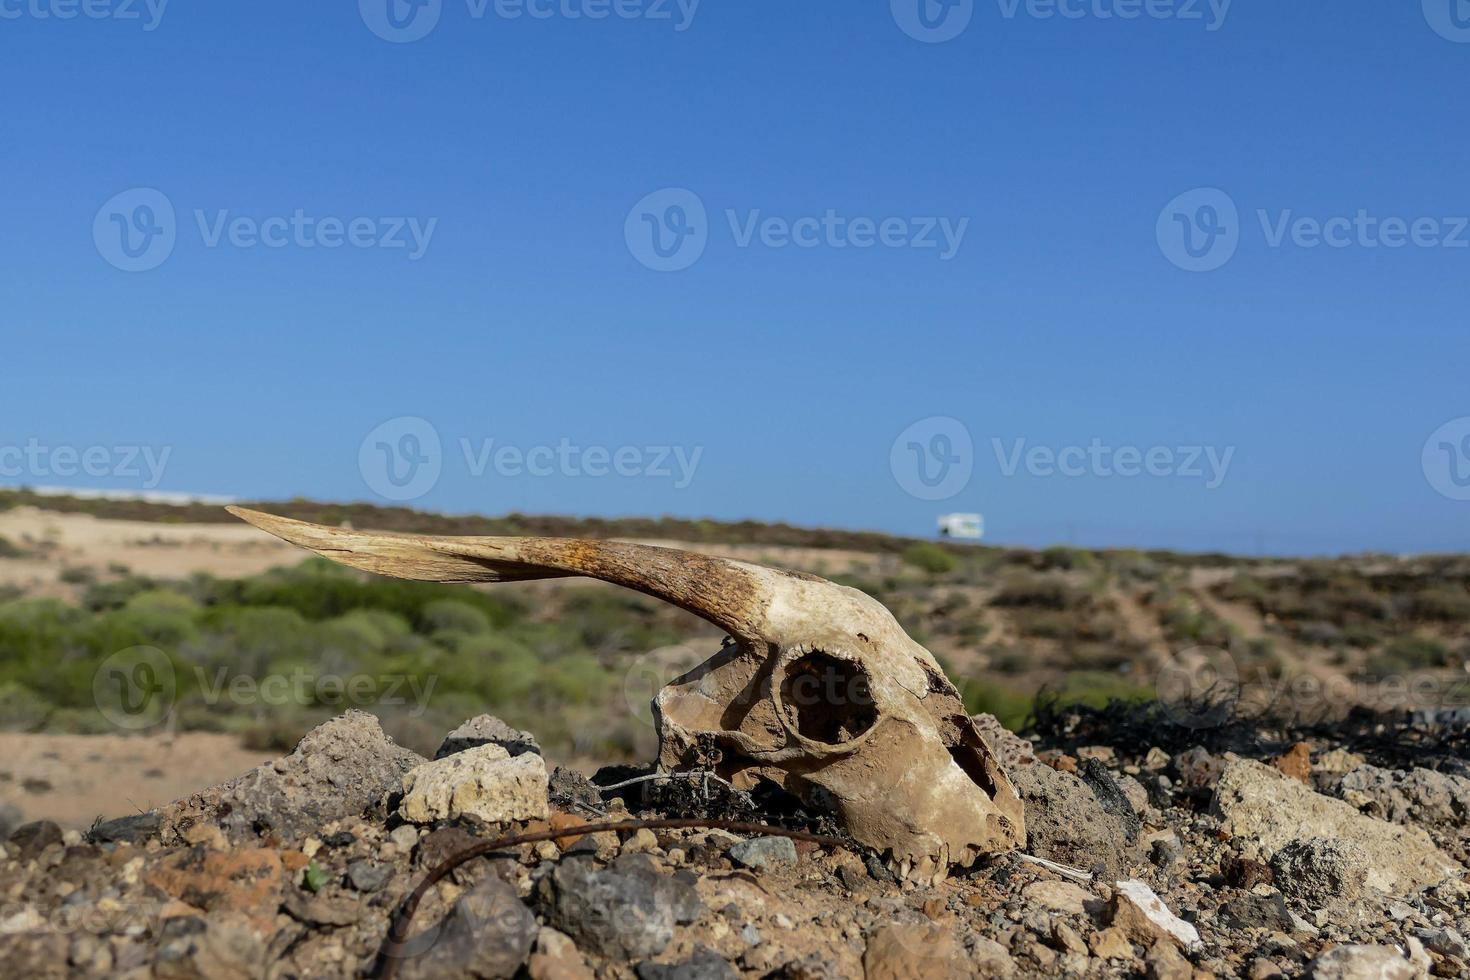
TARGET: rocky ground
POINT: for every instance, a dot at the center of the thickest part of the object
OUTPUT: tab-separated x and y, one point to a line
1328	858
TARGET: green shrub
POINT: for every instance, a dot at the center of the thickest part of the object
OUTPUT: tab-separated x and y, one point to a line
453	616
1406	654
930	558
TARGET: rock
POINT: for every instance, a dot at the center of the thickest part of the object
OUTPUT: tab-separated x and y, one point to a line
1144	917
487	730
1067	939
484	782
1011	751
1136	792
989	958
1197	769
925	951
206	835
705	964
224	947
1318	871
1166	853
569	787
369	876
1165	962
322	910
764	853
1245	873
1296	762
28	840
135	829
1418	796
1059	896
1269	809
1445	942
487	934
1264	969
338	770
627	911
1066	822
1361	963
556	957
643	841
1110	796
404	837
247	882
1338	761
1111	944
1251	911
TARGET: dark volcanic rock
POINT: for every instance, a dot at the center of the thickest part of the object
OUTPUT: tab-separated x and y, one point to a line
33	838
488	934
1256	912
628	910
705	964
127	830
338	770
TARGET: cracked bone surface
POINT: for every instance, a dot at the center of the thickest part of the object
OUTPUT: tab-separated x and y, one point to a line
818	691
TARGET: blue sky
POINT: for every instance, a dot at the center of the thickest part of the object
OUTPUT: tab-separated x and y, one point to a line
530	153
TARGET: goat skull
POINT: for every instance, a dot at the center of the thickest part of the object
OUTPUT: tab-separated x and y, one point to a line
819	690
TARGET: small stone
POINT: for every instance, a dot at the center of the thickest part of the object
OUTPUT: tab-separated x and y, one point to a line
1166	852
369	876
487	730
484	782
322	910
1264	969
1165	962
1446	942
1357	962
207	835
556	957
404	837
1318	871
1296	762
1059	896
627	911
1144	916
1067	938
764	853
705	964
1111	944
643	841
223	947
1156	759
487	934
926	951
29	840
1252	911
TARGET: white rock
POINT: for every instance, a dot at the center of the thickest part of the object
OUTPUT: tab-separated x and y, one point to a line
484	782
1154	909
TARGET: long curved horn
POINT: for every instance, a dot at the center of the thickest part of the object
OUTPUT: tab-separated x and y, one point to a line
729	594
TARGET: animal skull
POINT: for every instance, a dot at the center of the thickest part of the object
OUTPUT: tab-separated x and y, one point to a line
819	690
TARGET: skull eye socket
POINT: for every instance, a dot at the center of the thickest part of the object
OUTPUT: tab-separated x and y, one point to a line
827	699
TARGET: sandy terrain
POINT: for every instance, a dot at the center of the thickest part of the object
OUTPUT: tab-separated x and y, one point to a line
73	779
